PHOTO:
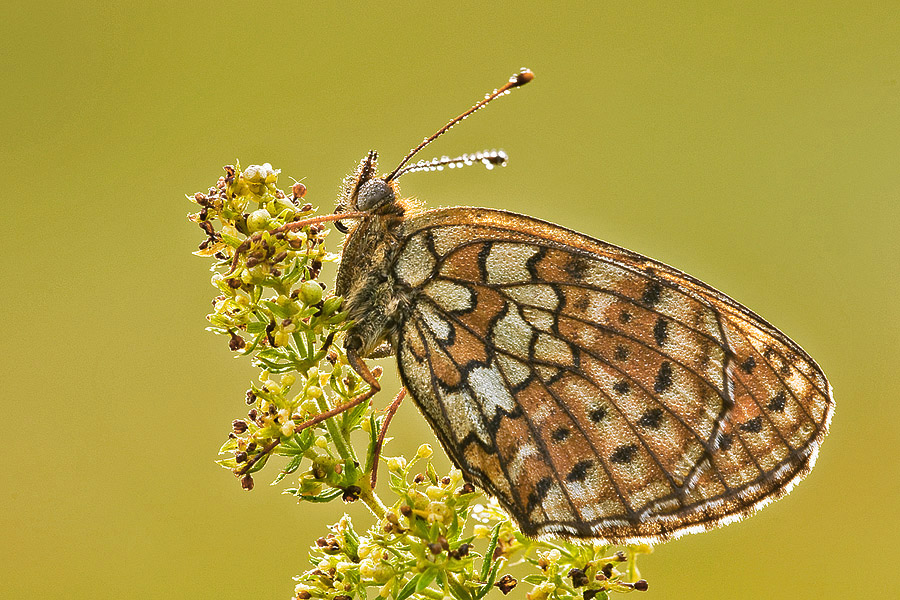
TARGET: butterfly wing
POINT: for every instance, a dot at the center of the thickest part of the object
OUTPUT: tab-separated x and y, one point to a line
595	392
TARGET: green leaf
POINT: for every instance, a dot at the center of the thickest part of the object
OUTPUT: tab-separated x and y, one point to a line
276	309
489	553
231	240
351	541
426	578
289	468
409	588
256	327
259	464
490	582
457	590
324	496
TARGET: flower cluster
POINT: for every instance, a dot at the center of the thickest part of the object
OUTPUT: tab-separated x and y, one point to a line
437	537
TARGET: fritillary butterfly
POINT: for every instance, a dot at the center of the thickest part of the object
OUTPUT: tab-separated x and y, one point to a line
596	393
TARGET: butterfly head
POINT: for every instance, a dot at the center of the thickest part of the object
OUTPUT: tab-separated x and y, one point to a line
365	192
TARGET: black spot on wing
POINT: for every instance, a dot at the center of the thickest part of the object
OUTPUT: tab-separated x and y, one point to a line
621	353
776	404
661	331
753	425
748	365
652	294
663	378
560	434
621	387
537	495
598	414
624	454
624	317
577	267
651	418
579	471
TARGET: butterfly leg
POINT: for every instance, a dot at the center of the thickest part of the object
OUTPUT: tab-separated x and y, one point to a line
389	414
357	364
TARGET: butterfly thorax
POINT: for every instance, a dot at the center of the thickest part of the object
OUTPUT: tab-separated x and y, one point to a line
374	301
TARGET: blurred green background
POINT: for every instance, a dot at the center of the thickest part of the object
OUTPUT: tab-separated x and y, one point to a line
756	148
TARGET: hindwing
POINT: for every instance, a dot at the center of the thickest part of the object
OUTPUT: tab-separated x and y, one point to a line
595	392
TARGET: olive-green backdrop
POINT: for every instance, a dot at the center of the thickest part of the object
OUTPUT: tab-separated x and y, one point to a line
756	148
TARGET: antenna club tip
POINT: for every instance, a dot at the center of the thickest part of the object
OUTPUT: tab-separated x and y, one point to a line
521	78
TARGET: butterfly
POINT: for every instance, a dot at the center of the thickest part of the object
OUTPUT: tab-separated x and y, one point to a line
595	392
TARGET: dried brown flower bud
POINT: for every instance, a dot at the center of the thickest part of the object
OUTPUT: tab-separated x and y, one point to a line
467	488
579	579
506	584
351	494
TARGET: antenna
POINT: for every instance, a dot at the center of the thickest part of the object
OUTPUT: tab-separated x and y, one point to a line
517	80
488	158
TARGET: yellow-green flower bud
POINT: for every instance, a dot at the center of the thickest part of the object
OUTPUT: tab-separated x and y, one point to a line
541	592
331	305
282	338
424	451
438	511
396	464
311	293
258	220
383	573
309	407
344	566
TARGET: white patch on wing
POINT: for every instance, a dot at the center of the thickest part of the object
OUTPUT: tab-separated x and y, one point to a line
516	372
447	238
512	334
604	275
552	349
523	452
415	263
489	387
507	263
464	416
539	319
556	506
539	294
546	373
438	326
450	296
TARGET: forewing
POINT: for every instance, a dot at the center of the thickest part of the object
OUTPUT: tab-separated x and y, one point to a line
595	392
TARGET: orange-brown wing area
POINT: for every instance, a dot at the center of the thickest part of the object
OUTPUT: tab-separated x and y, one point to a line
595	392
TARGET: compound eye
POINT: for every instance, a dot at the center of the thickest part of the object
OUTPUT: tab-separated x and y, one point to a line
373	194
